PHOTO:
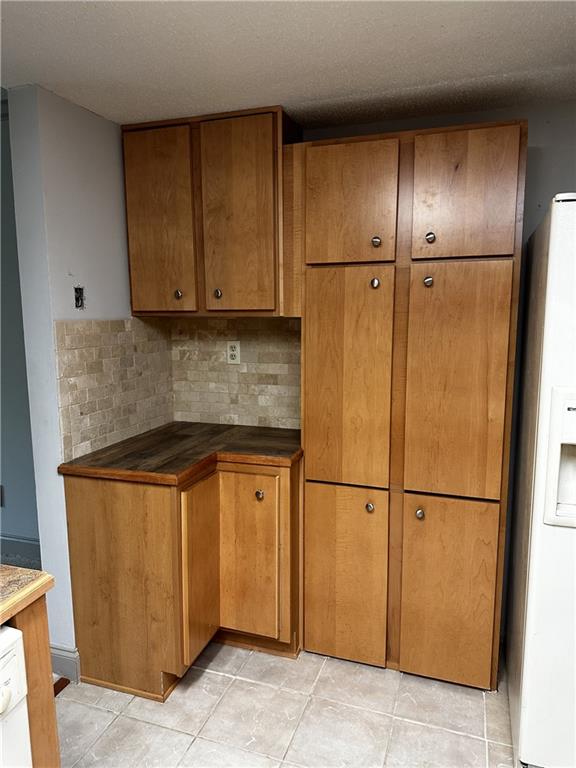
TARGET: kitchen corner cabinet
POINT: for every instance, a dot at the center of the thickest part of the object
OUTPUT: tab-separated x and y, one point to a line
205	215
351	198
159	569
448	588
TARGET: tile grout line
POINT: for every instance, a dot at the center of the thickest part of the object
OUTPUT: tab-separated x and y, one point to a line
394	708
100	735
308	702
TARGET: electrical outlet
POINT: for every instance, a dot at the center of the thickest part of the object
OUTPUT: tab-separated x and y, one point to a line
79	297
233	352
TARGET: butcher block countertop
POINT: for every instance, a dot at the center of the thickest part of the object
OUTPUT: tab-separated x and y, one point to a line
19	587
175	453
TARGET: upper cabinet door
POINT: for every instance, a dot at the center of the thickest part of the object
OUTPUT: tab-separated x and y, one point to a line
348	357
456	377
158	177
238	158
465	187
351	198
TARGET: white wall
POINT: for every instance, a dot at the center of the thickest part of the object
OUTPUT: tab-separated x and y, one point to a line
68	194
551	166
81	156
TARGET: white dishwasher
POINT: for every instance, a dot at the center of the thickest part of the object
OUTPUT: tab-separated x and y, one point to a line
14	731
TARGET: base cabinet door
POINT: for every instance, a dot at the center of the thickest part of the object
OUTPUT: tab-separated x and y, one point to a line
201	564
345	572
448	588
249	552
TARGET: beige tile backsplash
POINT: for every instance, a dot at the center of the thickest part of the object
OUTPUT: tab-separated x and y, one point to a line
119	378
264	389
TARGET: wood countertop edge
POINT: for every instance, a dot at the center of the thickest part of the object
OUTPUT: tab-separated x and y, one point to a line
23	597
186	475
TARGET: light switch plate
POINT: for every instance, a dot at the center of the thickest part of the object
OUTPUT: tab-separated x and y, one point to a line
233	352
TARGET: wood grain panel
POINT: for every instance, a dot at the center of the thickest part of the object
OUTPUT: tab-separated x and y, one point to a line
351	192
345	572
32	621
201	564
292	274
465	187
239	199
456	377
249	551
448	588
158	178
348	358
124	541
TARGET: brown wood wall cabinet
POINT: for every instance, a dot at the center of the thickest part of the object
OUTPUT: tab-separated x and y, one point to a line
158	567
407	390
205	215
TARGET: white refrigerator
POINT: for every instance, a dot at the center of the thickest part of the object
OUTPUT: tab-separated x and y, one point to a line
541	646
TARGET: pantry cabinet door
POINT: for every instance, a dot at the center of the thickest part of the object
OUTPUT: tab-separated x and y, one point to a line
201	564
249	553
345	572
348	354
351	198
458	328
465	187
449	556
158	178
239	212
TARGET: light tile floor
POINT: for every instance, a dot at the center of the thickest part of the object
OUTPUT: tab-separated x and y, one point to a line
241	709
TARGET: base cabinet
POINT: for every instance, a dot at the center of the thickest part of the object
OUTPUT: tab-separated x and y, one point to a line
448	588
345	572
158	570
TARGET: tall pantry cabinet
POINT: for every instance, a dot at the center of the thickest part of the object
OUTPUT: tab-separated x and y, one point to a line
412	251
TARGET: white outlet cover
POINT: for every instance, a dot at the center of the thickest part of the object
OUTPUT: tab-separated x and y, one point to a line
233	352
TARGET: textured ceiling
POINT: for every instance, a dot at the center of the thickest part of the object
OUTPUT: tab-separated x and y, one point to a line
326	62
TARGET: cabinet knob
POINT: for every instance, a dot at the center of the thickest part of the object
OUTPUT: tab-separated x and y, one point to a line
218	293
376	241
430	237
375	283
428	281
420	513
178	293
370	507
259	494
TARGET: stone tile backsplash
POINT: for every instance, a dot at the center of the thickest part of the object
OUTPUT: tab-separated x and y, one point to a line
114	381
118	378
263	389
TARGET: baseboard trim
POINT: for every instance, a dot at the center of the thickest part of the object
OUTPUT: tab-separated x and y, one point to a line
21	552
65	663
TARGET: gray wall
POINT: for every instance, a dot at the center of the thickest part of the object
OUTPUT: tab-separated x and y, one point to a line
70	225
19	521
551	164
